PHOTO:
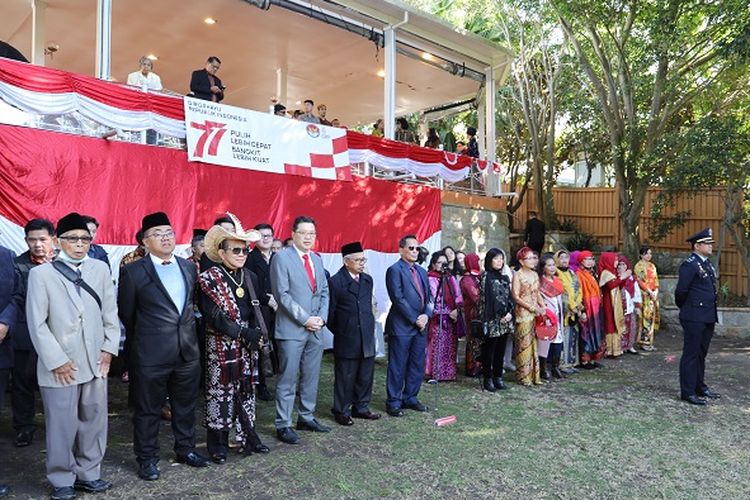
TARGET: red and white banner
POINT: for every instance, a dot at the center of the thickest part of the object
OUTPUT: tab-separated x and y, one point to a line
48	91
237	137
420	161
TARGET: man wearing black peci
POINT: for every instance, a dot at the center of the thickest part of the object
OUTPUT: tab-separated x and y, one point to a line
352	322
156	306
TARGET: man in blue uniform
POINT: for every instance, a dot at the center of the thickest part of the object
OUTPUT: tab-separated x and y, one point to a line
695	295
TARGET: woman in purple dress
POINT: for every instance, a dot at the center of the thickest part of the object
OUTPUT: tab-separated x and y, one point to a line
446	324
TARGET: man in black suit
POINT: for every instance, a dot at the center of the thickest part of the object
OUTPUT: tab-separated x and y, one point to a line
204	84
352	322
259	262
533	236
155	300
695	295
39	234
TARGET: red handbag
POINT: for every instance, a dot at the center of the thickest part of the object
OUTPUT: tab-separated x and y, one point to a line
545	327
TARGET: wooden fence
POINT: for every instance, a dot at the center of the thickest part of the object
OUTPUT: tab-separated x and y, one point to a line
595	211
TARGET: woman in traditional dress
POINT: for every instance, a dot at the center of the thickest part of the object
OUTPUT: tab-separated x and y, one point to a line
496	312
574	312
631	304
460	265
552	293
233	336
648	281
469	284
529	304
612	312
446	324
590	330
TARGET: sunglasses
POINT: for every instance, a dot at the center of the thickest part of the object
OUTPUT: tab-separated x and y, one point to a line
239	250
412	248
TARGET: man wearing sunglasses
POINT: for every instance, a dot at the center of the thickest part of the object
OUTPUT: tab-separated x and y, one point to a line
411	308
72	319
156	306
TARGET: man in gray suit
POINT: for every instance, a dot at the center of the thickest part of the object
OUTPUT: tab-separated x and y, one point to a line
300	287
72	318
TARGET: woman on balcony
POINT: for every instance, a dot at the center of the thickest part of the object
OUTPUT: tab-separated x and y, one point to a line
648	280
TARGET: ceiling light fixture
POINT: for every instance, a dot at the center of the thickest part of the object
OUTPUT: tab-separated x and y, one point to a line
381	73
209	20
153	57
427	56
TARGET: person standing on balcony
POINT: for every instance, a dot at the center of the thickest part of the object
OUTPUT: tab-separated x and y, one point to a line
473	149
403	134
322	111
204	84
308	116
145	78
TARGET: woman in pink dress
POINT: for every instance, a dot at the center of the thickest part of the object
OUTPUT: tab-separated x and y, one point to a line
446	324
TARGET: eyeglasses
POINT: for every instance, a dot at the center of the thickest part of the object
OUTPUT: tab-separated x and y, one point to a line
239	250
162	236
412	248
305	235
266	236
75	239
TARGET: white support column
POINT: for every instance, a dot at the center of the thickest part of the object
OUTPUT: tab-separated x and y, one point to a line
104	39
281	85
492	180
389	83
481	136
38	31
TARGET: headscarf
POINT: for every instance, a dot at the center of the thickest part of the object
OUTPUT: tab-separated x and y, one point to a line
472	264
628	284
607	262
575	258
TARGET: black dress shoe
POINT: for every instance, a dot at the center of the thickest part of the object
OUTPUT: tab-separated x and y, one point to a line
367	415
395	412
287	435
24	438
148	471
264	394
694	400
342	419
4	490
63	493
219	458
416	406
96	486
312	425
488	385
260	448
498	383
708	393
193	459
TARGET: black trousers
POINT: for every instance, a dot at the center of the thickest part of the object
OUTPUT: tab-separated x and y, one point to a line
4	377
493	352
24	390
151	385
352	386
696	341
555	350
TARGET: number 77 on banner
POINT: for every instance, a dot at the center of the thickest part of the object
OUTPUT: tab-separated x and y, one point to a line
215	128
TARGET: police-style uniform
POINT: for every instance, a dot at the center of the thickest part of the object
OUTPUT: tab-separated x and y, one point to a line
695	295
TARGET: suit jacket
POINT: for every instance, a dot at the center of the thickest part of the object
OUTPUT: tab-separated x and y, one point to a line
350	315
158	333
406	304
8	301
68	325
534	233
292	291
200	86
695	293
21	338
257	264
99	253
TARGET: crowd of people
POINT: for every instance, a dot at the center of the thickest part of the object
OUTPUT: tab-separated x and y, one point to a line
245	306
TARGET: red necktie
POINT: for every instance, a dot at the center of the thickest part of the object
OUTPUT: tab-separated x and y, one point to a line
417	283
309	270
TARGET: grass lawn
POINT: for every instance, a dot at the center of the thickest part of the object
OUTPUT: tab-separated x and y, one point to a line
617	432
